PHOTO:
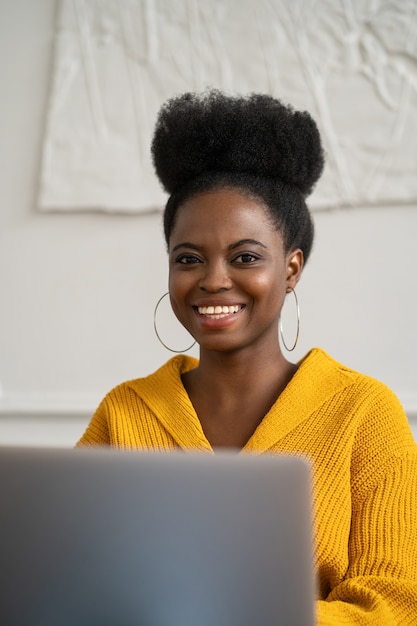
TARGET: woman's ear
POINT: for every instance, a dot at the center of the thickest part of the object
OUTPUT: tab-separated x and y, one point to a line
295	263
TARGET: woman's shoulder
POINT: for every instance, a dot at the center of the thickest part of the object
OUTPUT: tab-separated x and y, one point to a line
162	378
323	367
364	398
380	434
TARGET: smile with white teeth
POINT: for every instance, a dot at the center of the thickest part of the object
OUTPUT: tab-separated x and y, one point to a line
216	312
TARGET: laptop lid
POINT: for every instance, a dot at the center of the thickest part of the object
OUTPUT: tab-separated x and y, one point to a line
103	537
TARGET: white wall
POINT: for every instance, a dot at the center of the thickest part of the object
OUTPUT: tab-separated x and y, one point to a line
77	292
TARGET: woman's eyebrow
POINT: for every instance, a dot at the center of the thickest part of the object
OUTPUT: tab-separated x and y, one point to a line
186	244
243	242
237	244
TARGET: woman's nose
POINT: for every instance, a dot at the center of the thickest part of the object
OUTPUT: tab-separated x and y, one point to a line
215	278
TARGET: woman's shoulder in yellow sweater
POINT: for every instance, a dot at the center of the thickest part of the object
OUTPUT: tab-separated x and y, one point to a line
319	361
168	373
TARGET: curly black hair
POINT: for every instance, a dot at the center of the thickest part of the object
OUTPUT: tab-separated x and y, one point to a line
210	141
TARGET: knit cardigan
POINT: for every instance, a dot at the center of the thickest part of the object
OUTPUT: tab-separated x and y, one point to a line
364	461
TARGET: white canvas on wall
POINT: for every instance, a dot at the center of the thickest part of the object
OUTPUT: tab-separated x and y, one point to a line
351	63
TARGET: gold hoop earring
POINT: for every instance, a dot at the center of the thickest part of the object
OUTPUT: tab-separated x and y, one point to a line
281	332
156	330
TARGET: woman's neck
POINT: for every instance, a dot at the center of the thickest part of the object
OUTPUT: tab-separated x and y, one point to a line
231	393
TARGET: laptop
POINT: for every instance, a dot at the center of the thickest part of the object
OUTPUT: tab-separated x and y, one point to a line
99	537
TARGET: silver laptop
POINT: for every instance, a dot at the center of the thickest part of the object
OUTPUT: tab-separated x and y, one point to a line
106	538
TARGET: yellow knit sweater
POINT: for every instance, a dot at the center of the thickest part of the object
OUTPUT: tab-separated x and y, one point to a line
365	473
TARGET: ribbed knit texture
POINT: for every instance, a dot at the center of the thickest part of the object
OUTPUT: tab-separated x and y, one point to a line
364	461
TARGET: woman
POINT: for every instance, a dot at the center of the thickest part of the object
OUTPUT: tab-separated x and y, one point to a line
238	233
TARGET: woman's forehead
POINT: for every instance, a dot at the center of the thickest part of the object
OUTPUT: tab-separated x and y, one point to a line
226	216
225	206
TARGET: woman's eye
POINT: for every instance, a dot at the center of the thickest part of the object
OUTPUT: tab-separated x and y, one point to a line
246	258
186	259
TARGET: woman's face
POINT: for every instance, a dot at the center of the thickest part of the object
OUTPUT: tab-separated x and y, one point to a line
228	272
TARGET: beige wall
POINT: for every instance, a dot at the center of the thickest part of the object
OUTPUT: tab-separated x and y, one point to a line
77	292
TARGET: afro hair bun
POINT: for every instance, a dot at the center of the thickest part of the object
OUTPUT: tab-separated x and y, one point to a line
257	135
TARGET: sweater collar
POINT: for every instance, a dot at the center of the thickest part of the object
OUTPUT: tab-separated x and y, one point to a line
167	398
312	384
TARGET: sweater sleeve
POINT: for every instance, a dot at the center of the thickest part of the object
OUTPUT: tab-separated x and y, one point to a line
380	585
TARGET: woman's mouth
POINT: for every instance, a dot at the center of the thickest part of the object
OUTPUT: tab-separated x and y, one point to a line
218	311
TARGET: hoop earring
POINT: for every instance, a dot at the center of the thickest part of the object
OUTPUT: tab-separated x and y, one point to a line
281	332
156	330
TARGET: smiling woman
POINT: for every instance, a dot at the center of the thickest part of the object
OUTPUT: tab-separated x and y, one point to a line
225	253
238	231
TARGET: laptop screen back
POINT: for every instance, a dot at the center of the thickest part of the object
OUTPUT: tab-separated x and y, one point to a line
99	537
